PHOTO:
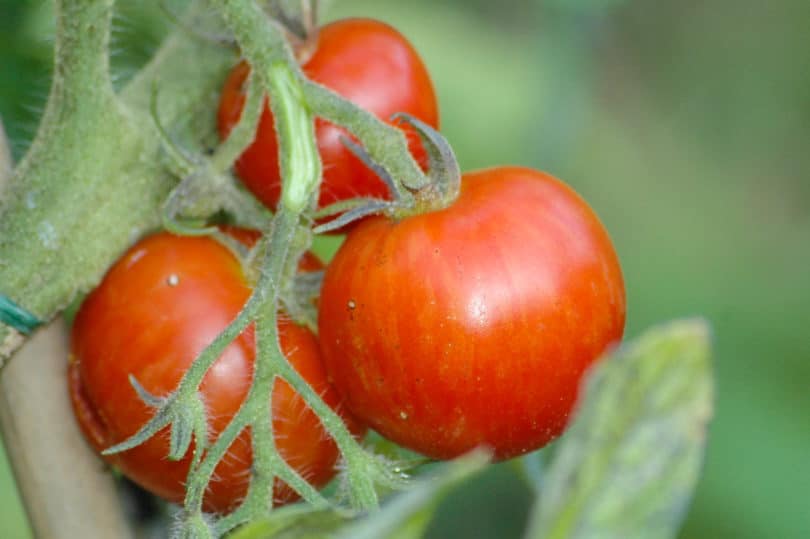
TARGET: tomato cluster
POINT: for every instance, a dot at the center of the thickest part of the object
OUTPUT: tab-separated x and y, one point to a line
468	325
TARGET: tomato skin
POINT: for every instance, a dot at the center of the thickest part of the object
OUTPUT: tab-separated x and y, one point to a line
473	325
155	310
363	60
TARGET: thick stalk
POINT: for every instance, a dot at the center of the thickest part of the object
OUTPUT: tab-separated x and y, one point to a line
81	131
33	392
93	180
89	184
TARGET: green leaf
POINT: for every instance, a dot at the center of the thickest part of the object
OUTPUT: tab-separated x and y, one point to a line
405	516
630	460
298	521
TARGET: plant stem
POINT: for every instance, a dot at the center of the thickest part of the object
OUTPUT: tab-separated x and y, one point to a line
264	297
301	174
81	99
92	180
385	144
262	43
244	131
33	392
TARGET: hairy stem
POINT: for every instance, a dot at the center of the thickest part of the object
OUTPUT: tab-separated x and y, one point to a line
92	181
385	144
264	298
262	43
243	133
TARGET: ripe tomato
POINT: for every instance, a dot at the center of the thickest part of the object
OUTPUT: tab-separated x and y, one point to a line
365	61
473	325
155	310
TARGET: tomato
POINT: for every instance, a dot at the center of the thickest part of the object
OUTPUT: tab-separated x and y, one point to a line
155	310
473	325
363	60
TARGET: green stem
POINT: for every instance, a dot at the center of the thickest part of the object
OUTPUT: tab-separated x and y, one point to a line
266	455
264	298
262	43
385	143
295	126
243	133
300	167
92	180
81	116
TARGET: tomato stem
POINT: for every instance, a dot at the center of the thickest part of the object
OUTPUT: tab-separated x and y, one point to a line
206	187
92	179
242	134
300	162
300	167
385	144
264	298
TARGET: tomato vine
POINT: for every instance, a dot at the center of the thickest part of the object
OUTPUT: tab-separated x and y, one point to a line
205	187
105	169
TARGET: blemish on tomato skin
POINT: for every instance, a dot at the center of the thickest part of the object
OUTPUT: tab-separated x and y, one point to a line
134	257
351	305
173	280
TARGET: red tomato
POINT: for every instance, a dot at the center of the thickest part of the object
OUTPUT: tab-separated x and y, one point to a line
365	61
155	310
473	325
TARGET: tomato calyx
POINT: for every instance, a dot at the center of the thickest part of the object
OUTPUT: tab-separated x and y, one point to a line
439	190
443	169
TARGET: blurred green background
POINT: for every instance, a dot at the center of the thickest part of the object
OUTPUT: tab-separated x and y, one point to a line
685	124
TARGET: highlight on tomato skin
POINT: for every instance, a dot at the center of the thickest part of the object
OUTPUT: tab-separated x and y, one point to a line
367	62
154	311
473	325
